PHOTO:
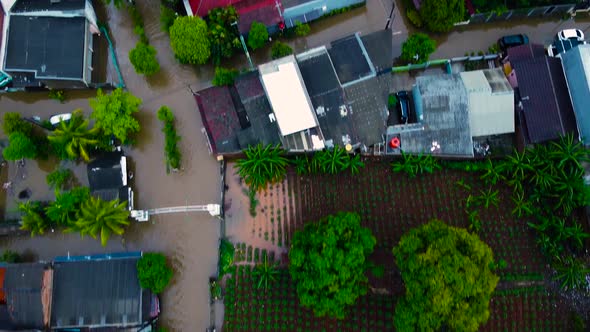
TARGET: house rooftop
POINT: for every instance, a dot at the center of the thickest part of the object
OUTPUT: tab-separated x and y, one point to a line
576	65
443	102
350	59
546	104
47	5
287	95
97	293
526	51
109	171
51	47
220	118
23	289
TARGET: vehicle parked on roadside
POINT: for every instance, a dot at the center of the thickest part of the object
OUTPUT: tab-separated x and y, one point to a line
507	42
575	34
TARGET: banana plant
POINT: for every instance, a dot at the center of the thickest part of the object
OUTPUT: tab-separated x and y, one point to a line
262	165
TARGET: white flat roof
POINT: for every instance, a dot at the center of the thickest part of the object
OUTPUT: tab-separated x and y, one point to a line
287	95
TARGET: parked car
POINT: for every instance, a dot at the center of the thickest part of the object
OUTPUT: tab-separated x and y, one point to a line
566	34
56	119
507	42
404	104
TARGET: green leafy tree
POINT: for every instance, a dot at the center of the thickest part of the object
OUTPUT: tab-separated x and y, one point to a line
301	29
449	283
101	218
417	48
224	76
189	41
20	146
265	273
114	113
262	165
14	123
143	58
280	49
75	136
153	272
63	210
258	35
440	15
32	219
223	32
328	261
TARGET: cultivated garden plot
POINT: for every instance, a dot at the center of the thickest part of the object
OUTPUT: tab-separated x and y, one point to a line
390	204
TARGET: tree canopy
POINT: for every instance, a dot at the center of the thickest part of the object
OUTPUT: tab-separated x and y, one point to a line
75	136
280	49
224	37
328	260
263	164
440	15
224	76
101	218
114	112
189	41
153	272
449	283
258	35
143	58
419	45
13	123
20	146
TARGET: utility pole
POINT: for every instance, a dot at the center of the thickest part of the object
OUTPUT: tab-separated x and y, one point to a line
235	23
389	19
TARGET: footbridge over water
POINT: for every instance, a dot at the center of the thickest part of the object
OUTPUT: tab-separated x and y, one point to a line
143	215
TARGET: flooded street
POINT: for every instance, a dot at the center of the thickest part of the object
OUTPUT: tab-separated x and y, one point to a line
190	240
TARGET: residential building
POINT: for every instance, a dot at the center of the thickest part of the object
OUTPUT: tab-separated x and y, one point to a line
324	97
48	44
108	178
544	107
308	10
76	293
576	65
491	102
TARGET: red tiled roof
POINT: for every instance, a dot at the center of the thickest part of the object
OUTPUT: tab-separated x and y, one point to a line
219	118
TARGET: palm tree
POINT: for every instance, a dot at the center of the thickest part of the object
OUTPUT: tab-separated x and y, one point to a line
522	207
355	164
265	273
493	172
572	273
333	161
101	218
32	220
301	164
75	136
262	165
576	234
519	165
568	151
489	197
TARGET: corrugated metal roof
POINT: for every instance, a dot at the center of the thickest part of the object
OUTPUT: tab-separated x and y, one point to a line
576	64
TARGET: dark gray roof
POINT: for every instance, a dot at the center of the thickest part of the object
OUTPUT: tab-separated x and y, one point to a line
51	46
46	5
220	118
348	59
443	102
367	107
105	172
576	64
23	289
379	46
293	3
545	99
103	292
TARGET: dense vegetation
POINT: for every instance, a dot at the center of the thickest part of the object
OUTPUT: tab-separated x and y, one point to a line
189	40
258	35
75	136
171	138
153	272
448	280
99	218
262	165
328	260
417	48
114	114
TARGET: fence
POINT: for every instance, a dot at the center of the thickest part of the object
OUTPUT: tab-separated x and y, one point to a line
515	14
446	62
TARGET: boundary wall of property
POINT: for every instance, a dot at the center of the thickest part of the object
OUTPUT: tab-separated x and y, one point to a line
522	13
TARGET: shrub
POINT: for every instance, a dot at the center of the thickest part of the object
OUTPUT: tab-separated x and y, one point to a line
58	178
280	49
153	272
63	210
167	17
20	146
258	35
224	76
143	58
301	29
226	256
10	256
419	45
14	123
171	150
114	113
189	41
414	17
391	101
58	95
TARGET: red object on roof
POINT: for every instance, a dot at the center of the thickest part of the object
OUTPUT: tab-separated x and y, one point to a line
263	11
394	143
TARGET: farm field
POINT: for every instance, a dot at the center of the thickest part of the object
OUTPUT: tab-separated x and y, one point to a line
390	204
